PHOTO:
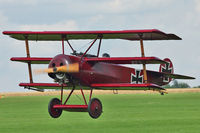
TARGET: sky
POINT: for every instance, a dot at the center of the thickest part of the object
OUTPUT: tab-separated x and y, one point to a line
181	17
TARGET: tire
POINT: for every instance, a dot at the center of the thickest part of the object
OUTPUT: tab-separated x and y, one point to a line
54	113
94	108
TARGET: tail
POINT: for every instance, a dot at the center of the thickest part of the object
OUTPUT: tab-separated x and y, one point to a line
167	68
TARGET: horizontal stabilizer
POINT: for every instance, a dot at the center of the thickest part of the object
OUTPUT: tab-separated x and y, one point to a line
42	85
149	34
32	60
177	76
170	75
128	60
126	86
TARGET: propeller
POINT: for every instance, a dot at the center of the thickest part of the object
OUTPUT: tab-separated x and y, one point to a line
70	68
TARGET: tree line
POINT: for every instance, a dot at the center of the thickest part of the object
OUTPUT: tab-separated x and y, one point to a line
176	84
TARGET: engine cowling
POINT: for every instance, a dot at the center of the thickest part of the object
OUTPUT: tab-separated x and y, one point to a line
58	61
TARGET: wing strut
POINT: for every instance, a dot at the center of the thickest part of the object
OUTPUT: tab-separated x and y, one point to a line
142	53
28	56
99	47
89	47
70	46
63	47
63	39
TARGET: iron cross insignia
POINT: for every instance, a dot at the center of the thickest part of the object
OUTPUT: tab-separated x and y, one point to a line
137	77
167	69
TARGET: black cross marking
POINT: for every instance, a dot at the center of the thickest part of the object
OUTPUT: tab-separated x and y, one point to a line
167	69
135	79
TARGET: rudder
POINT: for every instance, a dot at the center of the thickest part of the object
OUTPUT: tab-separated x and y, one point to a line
167	68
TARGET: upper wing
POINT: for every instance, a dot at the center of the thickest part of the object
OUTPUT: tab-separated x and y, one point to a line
128	60
151	34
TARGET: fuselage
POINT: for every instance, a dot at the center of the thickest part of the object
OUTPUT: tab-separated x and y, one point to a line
101	72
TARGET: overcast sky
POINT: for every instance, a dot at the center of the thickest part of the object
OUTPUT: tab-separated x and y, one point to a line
181	17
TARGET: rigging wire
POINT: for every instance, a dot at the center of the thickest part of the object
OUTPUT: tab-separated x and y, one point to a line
85	45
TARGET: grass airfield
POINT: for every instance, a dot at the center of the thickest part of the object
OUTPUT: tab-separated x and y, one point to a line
149	113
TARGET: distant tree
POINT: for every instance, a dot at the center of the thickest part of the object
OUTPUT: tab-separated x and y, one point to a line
183	85
196	86
167	86
176	84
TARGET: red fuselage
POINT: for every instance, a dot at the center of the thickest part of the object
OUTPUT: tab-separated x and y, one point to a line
100	72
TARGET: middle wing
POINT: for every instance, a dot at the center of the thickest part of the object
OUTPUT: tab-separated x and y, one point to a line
32	60
127	60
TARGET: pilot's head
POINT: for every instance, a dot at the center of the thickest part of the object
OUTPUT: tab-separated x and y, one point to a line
105	55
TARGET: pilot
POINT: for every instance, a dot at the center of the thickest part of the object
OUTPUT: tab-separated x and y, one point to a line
105	55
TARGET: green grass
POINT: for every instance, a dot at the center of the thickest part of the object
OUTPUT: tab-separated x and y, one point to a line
141	113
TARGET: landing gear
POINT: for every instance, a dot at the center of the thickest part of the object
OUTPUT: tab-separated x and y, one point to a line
56	106
94	108
54	112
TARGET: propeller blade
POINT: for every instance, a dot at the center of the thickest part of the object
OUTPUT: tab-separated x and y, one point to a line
42	71
70	68
67	68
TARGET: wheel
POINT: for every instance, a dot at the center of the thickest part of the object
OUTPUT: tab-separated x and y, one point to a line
55	113
94	108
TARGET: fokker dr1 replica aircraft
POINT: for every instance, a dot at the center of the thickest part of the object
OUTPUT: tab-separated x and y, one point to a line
93	72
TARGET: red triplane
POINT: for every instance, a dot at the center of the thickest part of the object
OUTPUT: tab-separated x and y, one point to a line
94	72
